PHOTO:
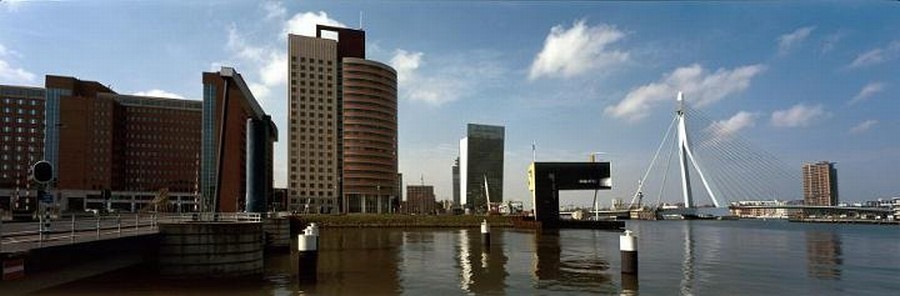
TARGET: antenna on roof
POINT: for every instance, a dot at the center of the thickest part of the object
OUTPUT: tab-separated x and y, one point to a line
360	19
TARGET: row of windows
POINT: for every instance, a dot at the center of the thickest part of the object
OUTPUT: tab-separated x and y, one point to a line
183	136
9	129
314	169
6	147
171	120
311	185
305	161
311	60
20	111
311	194
8	139
304	67
20	120
32	102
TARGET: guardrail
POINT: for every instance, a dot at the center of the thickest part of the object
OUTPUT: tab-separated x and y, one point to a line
210	217
69	229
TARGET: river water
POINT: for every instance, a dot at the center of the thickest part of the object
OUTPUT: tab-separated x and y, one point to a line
676	257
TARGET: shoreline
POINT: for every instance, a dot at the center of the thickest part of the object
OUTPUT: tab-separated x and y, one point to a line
405	221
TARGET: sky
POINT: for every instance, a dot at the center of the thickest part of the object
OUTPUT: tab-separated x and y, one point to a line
803	81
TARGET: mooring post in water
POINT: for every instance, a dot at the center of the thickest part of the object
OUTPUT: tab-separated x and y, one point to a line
307	254
485	233
628	249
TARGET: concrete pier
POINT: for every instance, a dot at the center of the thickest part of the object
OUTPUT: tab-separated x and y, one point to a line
277	233
210	249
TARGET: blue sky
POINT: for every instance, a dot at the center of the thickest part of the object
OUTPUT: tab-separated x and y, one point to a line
803	81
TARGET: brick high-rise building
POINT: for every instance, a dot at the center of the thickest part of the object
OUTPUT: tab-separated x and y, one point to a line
21	138
236	166
343	126
820	186
98	140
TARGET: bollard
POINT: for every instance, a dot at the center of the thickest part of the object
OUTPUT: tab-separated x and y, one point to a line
485	233
72	235
628	249
307	256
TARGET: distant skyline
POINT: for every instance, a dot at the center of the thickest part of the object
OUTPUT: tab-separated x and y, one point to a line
804	81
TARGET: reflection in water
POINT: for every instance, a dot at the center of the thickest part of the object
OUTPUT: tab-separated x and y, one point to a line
555	270
687	268
823	253
482	268
347	259
629	285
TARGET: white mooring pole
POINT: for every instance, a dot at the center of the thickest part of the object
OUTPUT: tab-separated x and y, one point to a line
308	254
628	249
485	233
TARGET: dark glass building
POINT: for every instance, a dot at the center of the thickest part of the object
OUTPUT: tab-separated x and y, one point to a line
481	166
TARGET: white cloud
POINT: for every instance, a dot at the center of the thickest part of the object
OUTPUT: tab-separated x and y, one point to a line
863	126
790	40
831	41
12	75
799	115
259	90
274	72
158	93
573	51
867	91
406	64
700	87
305	23
450	78
12	5
7	52
877	55
274	10
739	121
241	49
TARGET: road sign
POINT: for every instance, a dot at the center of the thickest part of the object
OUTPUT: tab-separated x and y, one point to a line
42	171
46	197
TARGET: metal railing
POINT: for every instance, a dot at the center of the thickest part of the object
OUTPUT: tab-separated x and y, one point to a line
69	229
210	217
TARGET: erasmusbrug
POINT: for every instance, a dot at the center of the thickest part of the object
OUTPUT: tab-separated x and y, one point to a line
714	160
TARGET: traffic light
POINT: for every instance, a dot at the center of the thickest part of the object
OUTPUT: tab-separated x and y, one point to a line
42	172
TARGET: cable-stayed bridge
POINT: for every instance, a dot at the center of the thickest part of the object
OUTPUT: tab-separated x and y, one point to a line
702	162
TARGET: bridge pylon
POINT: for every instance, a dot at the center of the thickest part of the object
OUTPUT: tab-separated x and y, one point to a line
686	154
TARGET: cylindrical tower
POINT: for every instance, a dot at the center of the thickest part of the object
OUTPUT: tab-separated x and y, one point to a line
369	136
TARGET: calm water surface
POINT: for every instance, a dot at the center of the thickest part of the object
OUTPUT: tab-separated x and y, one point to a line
676	257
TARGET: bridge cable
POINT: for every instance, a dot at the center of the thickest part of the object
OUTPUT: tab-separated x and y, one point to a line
652	162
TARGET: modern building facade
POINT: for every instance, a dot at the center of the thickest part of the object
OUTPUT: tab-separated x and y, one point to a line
420	199
97	140
369	135
481	166
343	125
237	140
314	174
820	186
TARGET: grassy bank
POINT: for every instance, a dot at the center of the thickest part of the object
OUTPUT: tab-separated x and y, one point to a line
387	220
